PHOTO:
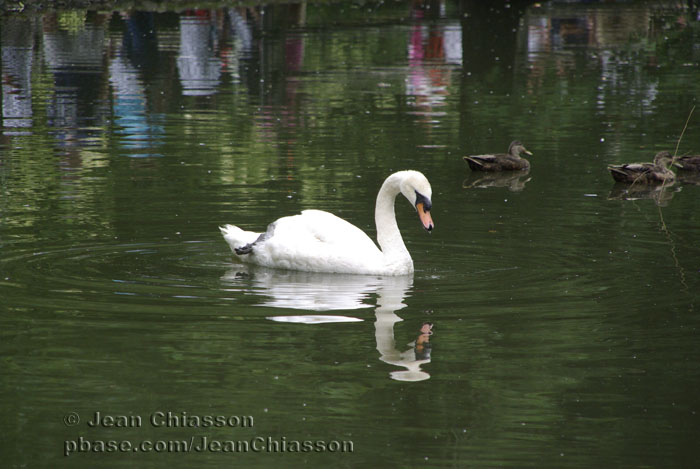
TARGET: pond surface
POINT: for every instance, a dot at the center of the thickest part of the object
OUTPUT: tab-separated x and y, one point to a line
564	308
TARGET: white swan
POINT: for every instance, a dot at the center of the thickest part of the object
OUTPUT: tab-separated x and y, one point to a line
318	241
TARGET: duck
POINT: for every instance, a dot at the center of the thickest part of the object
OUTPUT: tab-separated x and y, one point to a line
645	173
319	241
687	163
512	161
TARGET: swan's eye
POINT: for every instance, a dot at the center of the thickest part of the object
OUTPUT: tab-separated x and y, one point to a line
421	199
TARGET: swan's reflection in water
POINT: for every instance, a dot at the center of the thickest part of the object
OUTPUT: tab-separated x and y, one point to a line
327	292
314	319
389	300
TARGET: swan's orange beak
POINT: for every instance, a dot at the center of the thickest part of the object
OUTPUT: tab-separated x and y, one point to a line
425	217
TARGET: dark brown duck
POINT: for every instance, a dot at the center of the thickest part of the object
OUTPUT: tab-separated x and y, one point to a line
688	163
511	161
645	173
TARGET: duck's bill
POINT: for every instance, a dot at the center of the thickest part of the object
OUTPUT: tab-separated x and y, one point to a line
425	218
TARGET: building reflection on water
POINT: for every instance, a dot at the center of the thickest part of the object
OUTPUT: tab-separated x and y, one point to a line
17	60
93	68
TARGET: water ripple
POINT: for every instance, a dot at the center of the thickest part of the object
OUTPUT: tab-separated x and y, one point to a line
92	275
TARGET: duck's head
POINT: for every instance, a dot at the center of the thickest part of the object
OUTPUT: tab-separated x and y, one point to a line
516	148
416	188
663	158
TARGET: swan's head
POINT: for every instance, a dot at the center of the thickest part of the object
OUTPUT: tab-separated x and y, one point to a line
416	188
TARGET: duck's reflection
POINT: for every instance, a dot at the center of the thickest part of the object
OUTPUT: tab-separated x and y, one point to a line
688	177
661	194
327	292
514	180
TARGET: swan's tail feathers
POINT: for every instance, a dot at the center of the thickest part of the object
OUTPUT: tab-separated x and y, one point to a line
240	241
244	249
249	247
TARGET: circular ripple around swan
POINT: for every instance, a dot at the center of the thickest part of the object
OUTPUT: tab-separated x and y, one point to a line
109	276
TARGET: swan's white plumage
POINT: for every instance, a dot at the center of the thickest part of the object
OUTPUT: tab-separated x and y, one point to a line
318	241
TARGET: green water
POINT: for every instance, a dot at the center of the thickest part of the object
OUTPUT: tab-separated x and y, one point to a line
564	308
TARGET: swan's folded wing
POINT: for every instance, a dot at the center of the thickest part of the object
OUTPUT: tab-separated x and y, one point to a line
319	241
316	231
334	231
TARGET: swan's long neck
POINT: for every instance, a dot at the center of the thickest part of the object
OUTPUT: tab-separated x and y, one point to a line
388	234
